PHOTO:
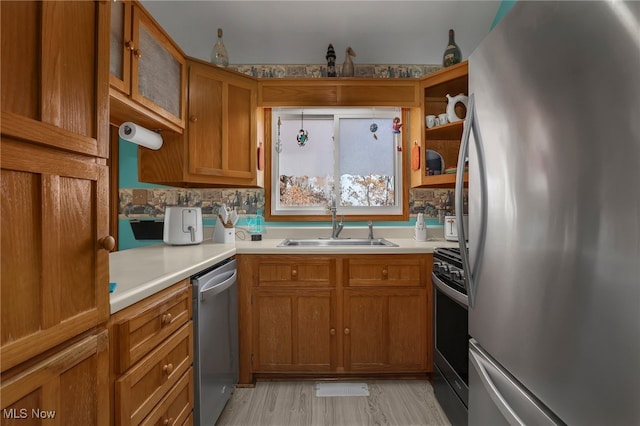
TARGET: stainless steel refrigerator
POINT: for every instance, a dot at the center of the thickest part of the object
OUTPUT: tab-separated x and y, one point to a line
553	266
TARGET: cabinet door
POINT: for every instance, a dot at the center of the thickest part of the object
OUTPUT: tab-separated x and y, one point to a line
294	330
69	387
222	123
385	329
158	74
121	46
55	81
55	271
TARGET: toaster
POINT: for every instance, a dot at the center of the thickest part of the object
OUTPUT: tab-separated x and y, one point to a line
182	225
451	227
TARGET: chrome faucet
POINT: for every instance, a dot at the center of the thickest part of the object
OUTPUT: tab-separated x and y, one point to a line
336	227
370	230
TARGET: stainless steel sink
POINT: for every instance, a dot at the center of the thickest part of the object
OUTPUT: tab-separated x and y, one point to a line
336	242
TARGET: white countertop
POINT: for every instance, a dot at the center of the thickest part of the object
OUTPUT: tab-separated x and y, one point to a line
142	272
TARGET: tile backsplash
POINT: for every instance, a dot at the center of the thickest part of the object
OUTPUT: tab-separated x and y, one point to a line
150	203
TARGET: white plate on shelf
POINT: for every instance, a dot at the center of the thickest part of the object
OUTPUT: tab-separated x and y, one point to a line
435	161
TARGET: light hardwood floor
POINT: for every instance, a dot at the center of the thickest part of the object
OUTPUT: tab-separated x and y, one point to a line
398	403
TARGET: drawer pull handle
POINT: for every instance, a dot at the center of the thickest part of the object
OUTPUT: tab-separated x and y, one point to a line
168	421
347	331
166	319
167	369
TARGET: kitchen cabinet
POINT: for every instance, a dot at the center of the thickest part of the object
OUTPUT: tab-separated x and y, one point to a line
219	147
386	301
67	385
334	315
147	71
294	314
152	357
316	92
55	215
444	139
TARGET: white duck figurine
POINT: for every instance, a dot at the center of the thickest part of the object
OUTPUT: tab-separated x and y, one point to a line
347	67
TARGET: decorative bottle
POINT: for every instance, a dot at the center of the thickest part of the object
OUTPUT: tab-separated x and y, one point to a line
219	54
452	54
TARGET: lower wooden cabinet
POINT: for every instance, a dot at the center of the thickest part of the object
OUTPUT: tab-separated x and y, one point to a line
334	314
385	329
152	359
294	329
67	387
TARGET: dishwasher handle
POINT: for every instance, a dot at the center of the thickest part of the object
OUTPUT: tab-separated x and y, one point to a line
218	284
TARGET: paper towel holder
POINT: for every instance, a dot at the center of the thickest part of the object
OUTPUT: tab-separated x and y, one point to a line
141	136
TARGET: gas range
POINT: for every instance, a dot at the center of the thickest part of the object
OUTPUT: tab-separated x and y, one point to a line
447	266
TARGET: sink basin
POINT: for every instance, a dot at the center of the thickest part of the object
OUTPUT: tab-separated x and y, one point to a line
336	242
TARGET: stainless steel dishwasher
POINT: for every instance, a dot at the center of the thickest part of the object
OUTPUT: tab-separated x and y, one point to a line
215	364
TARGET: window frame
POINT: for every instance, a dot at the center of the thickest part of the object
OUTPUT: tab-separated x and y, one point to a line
269	180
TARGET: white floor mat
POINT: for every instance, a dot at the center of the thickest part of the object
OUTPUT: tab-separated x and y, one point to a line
342	389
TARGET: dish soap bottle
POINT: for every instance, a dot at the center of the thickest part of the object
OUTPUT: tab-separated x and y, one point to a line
219	54
452	54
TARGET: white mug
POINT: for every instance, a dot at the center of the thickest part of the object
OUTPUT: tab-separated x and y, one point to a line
430	120
442	118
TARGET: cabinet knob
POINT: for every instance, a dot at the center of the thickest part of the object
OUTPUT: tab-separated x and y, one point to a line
168	421
167	369
332	331
129	45
294	272
385	272
108	243
193	118
137	53
347	331
166	319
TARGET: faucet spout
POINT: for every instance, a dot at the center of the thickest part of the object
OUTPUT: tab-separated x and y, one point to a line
336	227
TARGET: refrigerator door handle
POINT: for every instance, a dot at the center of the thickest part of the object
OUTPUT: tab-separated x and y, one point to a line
471	125
477	362
507	394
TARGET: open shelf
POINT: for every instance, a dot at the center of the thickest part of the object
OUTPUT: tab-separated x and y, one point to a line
446	131
443	181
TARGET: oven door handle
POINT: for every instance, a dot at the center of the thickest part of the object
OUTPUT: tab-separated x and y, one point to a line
452	294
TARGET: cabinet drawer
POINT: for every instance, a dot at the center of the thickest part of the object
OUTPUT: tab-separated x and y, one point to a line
143	326
295	271
385	271
144	385
176	407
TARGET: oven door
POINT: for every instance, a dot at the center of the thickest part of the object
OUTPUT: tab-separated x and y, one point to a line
451	336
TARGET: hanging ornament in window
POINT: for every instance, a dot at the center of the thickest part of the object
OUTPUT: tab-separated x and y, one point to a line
374	127
303	135
279	142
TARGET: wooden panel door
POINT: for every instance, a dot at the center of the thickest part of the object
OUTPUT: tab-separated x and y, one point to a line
66	388
294	330
222	123
55	270
385	330
55	77
158	70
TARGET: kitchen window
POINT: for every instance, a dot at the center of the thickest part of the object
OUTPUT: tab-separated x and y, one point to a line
349	157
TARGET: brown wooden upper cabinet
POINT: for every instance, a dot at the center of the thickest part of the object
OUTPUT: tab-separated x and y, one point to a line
219	146
444	139
148	71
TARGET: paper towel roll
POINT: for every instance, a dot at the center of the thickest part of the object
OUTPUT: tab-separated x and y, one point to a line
139	135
